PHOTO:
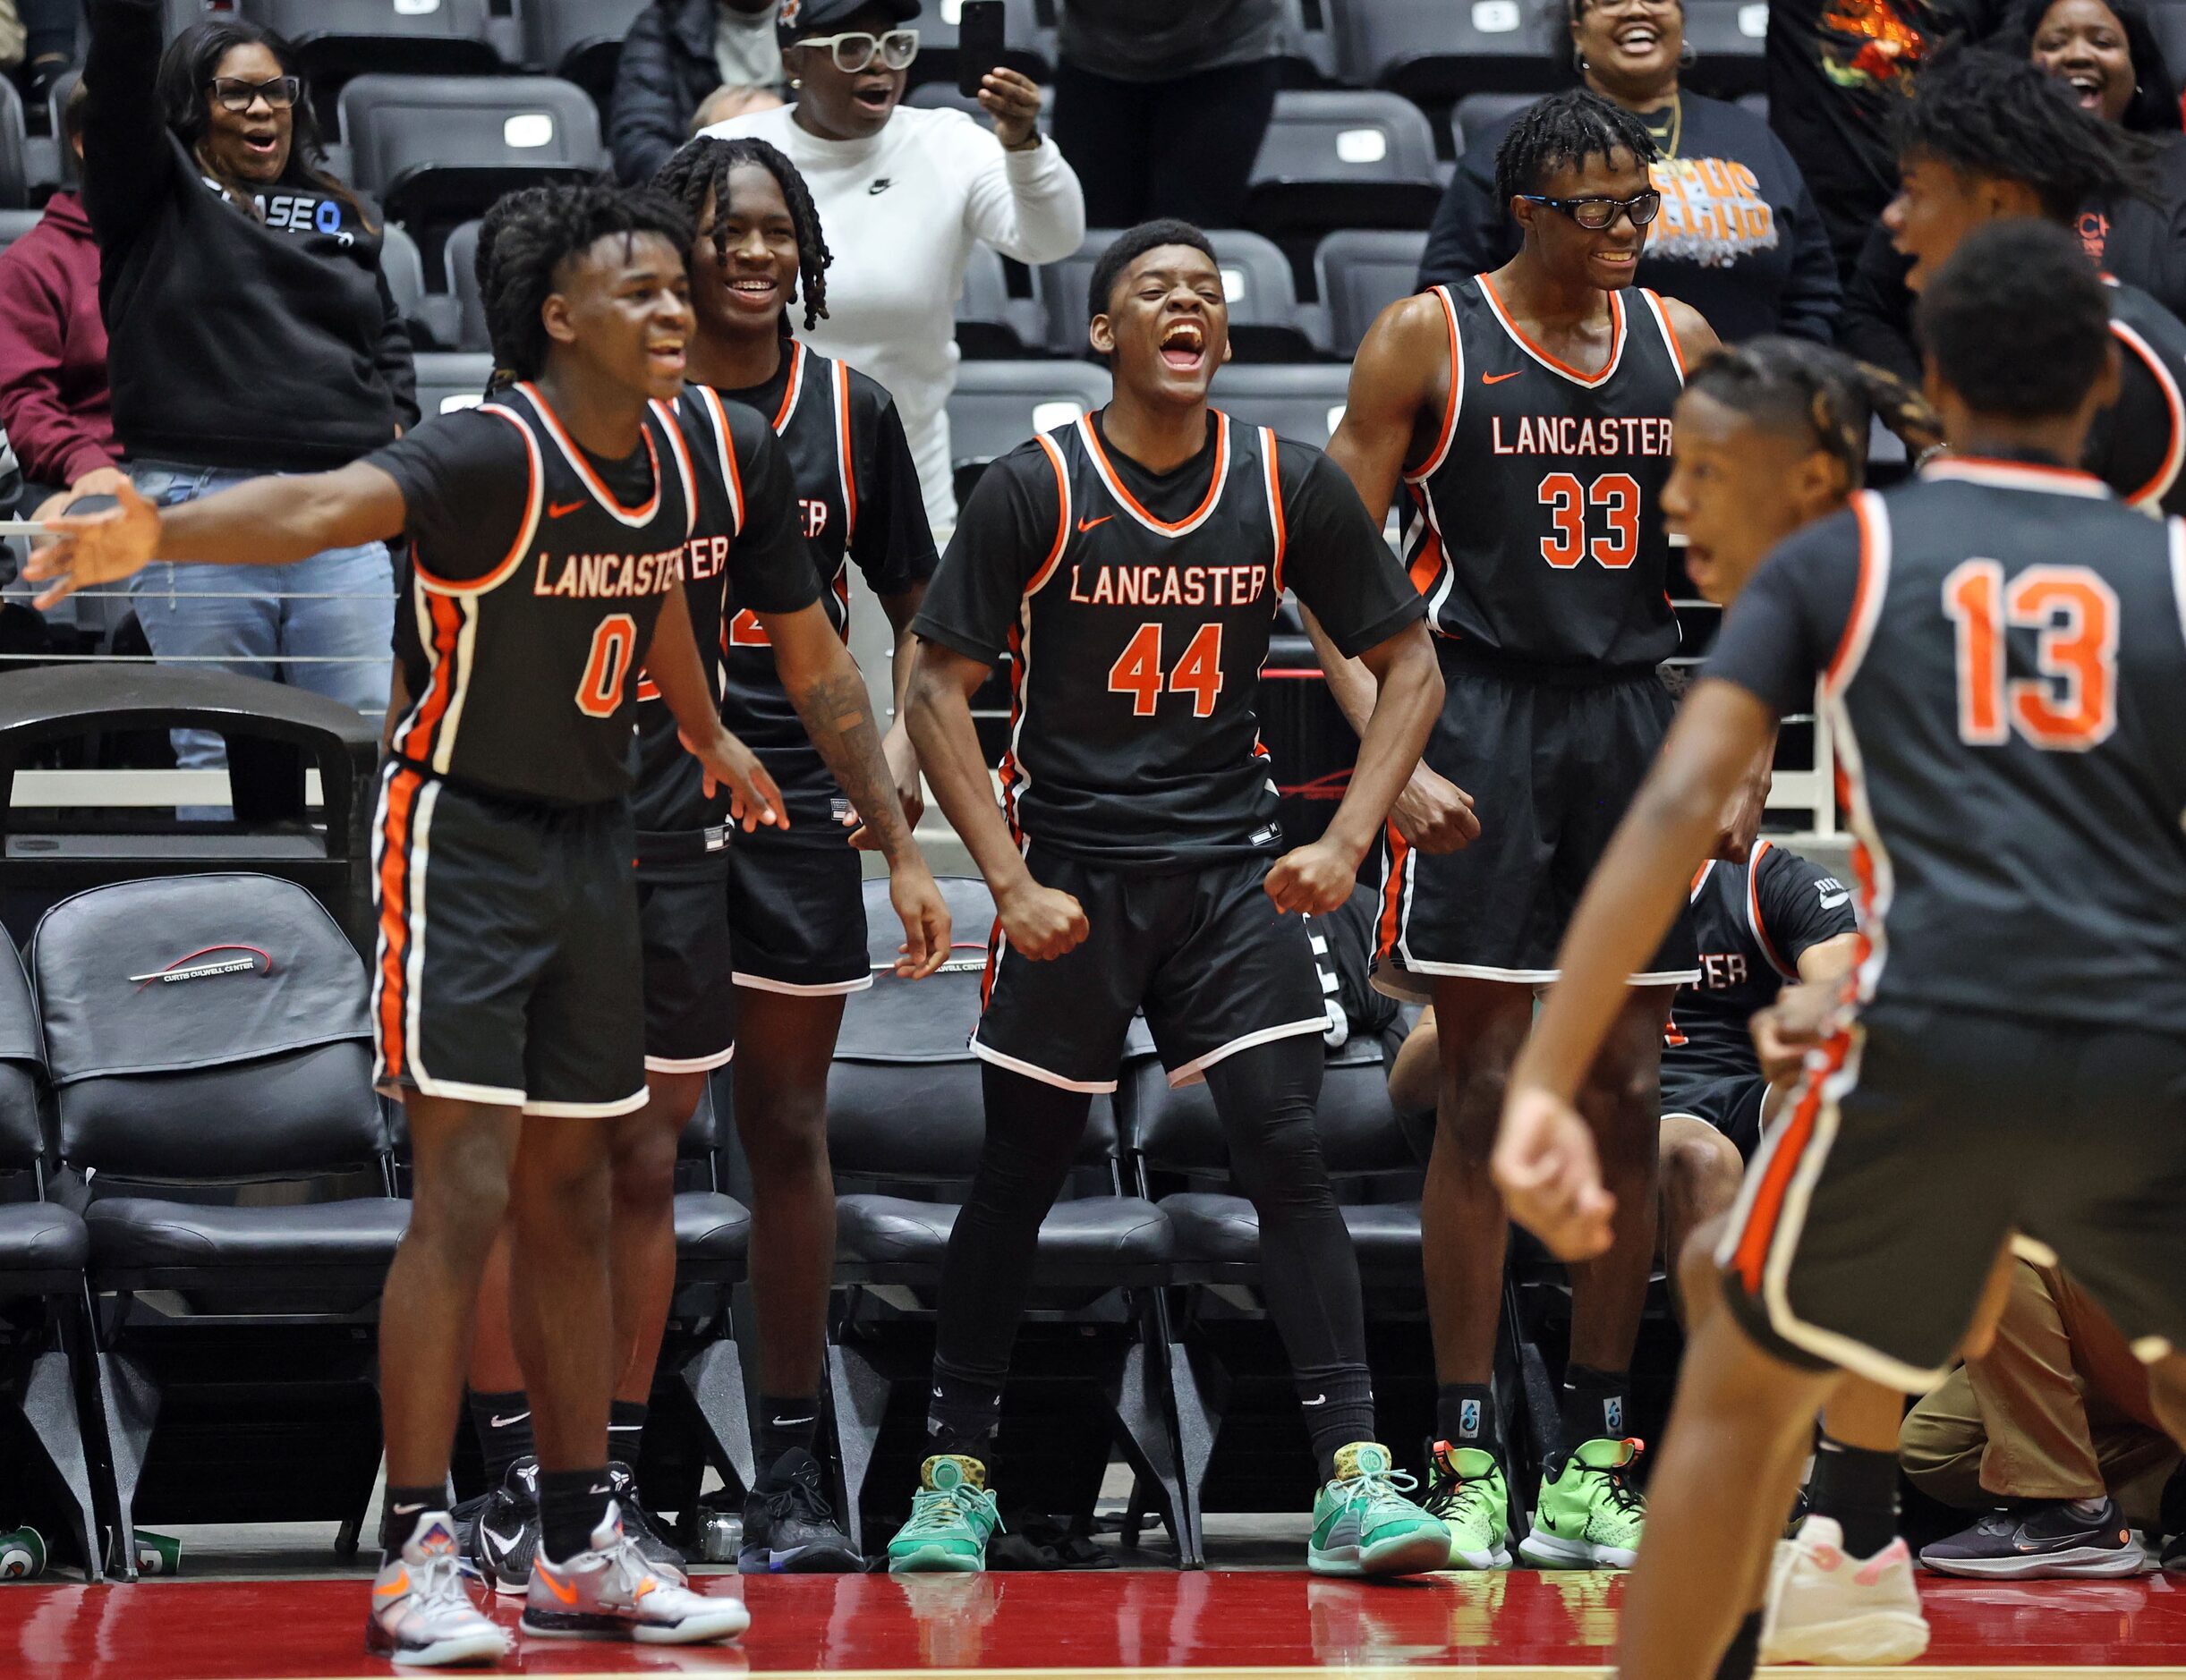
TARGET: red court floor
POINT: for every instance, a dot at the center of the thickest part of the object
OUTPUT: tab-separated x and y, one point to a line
1117	1623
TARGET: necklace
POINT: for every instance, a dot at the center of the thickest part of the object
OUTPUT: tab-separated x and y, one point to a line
1668	130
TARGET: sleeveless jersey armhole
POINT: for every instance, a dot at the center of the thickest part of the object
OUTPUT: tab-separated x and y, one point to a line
533	505
1454	402
673	430
1062	515
1272	464
2149	497
725	454
1670	333
1874	519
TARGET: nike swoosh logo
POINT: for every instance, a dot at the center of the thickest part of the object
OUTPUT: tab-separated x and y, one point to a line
603	1487
1318	1400
559	510
567	1595
1830	903
501	1545
502	1423
1497	378
395	1588
788	1423
1086	525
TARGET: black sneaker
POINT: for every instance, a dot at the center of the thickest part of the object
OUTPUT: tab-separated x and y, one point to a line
789	1526
638	1524
2045	1540
505	1538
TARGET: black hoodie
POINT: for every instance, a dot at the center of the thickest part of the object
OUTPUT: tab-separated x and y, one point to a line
266	340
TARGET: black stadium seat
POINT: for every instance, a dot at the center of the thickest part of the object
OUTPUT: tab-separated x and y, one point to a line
1360	272
14	182
337	38
1300	400
1266	321
1477	114
1343	159
459	258
998	405
1435	51
43	1249
991	324
579	40
447	382
206	1035
905	1113
1726	35
442	147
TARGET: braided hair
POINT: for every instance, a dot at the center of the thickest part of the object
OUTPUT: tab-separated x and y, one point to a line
529	234
702	168
1793	384
1562	132
2154	109
1985	115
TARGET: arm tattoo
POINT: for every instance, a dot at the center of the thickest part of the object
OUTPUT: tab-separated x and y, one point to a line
838	716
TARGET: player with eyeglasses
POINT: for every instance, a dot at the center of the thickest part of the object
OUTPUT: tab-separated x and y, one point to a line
1526	412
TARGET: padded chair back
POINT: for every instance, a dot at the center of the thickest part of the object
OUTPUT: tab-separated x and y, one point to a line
404	267
207	1028
990	322
15	170
16	223
1727	36
1177	1129
1478	118
1344	158
1256	281
459	258
903	1096
454	144
1302	400
998	405
403	36
21	1057
448	381
1360	272
1436	50
578	40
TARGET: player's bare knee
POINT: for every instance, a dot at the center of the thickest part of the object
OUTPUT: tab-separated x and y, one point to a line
1700	1171
458	1204
1700	1280
643	1165
789	1138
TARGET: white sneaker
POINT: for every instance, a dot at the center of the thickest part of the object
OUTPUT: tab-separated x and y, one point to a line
610	1591
422	1613
1825	1606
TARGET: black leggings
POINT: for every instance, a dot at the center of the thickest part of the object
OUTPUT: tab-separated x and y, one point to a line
1147	148
1309	1273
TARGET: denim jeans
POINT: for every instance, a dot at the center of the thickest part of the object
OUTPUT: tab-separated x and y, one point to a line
326	622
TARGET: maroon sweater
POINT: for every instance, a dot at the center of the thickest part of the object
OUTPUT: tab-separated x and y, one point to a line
53	349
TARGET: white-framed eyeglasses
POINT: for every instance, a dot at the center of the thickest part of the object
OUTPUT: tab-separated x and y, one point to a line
856	51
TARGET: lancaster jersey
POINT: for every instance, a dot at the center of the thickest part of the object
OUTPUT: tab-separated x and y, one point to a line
1136	609
1535	525
1752	922
2002	656
2138	444
745	545
857	498
536	574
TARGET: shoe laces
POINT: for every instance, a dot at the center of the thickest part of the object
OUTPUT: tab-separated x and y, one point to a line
800	1497
437	1583
1453	1494
1377	1489
1621	1494
933	1509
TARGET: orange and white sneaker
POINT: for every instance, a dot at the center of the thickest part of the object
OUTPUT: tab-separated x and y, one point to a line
610	1591
1826	1606
423	1615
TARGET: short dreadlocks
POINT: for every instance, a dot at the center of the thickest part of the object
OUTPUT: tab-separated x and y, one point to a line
702	168
1561	132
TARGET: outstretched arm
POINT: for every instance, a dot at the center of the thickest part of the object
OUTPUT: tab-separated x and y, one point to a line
826	687
1544	1161
1041	923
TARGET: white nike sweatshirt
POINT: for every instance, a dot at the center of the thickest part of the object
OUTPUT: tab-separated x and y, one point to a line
900	212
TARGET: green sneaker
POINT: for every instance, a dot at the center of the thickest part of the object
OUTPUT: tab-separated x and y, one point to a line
952	1518
1589	1517
1467	1491
1363	1525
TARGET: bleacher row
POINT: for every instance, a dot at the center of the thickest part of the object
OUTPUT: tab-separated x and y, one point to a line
199	1195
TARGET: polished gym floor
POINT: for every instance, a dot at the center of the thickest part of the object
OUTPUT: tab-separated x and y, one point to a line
1224	1622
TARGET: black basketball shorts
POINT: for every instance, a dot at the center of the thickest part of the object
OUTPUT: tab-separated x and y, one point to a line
796	913
507	968
1924	1139
1732	1103
1552	767
1216	967
690	973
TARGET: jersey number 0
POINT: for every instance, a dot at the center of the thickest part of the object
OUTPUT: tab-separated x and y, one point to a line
2073	704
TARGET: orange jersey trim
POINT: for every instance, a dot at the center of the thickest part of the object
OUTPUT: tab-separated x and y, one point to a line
1556	364
533	500
1062	515
1197	516
1455	399
583	468
394	918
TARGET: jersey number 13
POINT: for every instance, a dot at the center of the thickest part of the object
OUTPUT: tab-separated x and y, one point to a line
2073	704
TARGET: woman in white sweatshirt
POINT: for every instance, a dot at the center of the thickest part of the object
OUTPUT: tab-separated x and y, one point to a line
903	194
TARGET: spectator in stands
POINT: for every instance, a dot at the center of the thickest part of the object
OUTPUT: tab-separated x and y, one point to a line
905	194
54	404
2053	1421
679	57
1161	107
252	332
1738	237
48	32
2107	52
1837	70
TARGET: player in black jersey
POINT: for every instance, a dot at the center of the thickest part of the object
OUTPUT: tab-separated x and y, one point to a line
2001	647
547	533
1527	413
752	523
795	901
1983	136
1130	565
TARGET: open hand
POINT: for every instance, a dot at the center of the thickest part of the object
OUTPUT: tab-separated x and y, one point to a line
753	796
1013	101
1041	923
1547	1168
1802	1018
924	914
92	548
1434	814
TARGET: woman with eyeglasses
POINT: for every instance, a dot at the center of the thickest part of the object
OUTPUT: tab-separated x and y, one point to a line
1738	237
251	331
905	194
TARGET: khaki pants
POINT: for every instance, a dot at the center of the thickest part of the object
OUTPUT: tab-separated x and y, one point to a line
2057	1409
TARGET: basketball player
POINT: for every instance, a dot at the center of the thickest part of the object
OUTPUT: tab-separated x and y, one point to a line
1528	413
2000	649
548	529
1131	565
1983	136
750	516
